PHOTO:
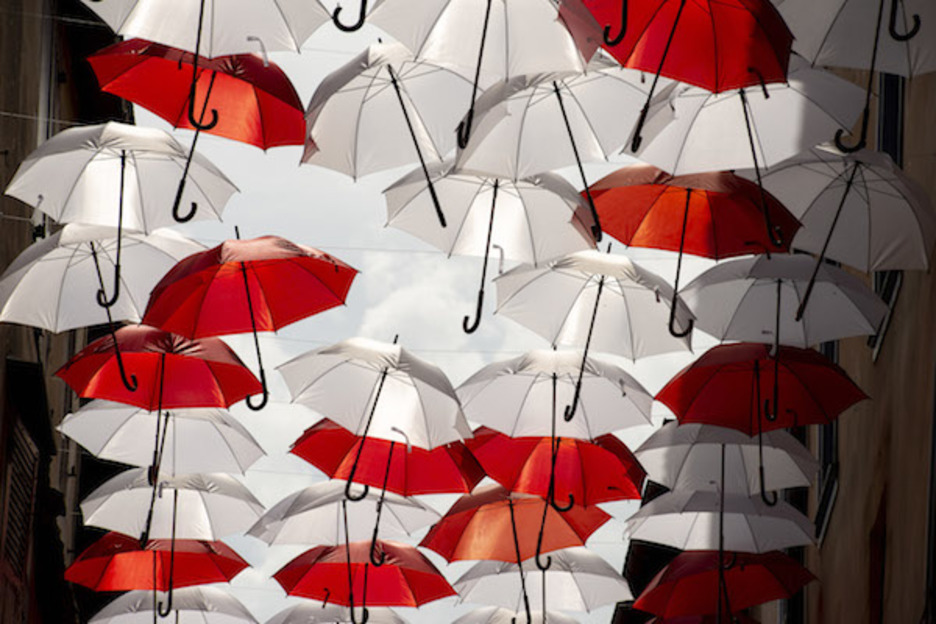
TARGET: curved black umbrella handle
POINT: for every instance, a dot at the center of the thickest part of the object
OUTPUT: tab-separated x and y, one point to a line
256	407
774	233
177	203
892	26
265	396
570	409
197	123
862	140
101	296
731	561
191	111
467	325
596	227
569	413
353	27
770	500
463	132
608	39
164	611
865	115
377	556
347	488
365	615
674	332
131	383
563	508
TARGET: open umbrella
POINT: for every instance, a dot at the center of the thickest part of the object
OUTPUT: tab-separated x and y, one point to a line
193	605
305	613
500	615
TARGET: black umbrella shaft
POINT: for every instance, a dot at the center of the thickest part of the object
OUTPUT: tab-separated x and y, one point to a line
578	162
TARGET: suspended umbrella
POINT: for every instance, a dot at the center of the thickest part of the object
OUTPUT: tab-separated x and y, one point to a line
446	469
52	283
528	220
202	439
249	285
192	605
516	122
328	614
500	615
688	457
115	174
715	215
644	560
313	515
845	33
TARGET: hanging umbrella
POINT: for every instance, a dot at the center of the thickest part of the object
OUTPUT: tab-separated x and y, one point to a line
500	615
691	583
305	613
53	282
248	285
193	605
528	220
687	457
196	506
715	215
690	521
450	468
313	516
202	439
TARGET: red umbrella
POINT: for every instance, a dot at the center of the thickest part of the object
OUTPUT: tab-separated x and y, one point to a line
261	284
588	472
695	582
715	215
737	618
118	563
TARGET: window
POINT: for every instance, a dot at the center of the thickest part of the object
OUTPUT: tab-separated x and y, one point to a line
827	446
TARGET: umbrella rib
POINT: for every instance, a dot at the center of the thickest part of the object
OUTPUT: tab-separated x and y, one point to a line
828	31
139	185
62	282
263	134
365	96
526	396
471	204
84	167
711	14
695	117
585	117
288	25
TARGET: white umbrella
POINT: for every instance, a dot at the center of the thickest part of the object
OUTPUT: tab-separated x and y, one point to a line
512	396
529	220
500	615
52	284
307	613
193	605
577	580
198	440
688	457
689	520
756	299
197	506
314	516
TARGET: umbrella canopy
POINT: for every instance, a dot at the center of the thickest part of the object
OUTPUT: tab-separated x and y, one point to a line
587	472
196	507
486	523
511	396
690	584
75	177
198	440
577	580
690	521
500	615
117	563
749	298
171	371
256	102
688	457
53	282
329	614
406	578
313	515
450	468
193	605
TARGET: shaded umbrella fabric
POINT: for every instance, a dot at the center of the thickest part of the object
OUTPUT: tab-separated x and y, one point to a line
643	561
500	615
305	613
480	526
592	472
407	578
198	373
193	605
255	101
515	396
117	563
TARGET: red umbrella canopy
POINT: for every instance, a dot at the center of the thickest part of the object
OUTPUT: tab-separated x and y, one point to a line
256	102
406	579
718	45
443	470
642	206
689	585
205	294
482	525
728	383
117	563
170	370
590	472
737	618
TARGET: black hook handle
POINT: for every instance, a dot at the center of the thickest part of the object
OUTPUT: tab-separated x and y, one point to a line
769	500
892	26
347	488
165	611
609	41
563	508
102	299
774	233
353	27
470	326
131	383
675	333
365	614
180	218
191	111
637	139
377	556
467	325
850	149
596	228
264	397
732	560
464	129
570	409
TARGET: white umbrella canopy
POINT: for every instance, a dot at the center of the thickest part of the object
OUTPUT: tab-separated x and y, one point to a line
197	440
515	396
500	615
209	506
192	605
416	405
738	300
314	516
689	520
710	132
577	580
557	301
53	283
314	613
879	218
228	27
75	177
688	457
